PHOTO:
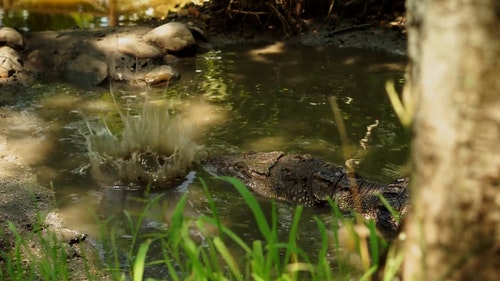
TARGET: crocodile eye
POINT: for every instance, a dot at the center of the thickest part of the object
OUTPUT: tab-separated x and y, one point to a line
400	183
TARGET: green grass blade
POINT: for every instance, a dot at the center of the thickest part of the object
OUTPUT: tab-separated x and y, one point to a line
140	261
252	204
393	212
226	255
368	274
374	242
211	204
258	261
273	258
233	236
169	260
292	249
323	271
15	268
392	264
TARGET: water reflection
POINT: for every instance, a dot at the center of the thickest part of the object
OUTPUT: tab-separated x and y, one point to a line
285	105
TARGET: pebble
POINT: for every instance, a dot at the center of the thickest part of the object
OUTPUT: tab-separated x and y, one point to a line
161	76
172	36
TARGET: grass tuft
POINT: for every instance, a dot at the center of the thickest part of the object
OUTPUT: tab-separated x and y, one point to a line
211	255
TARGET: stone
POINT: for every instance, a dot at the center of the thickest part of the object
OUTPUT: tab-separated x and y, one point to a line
12	38
161	76
38	61
135	47
86	70
10	62
198	33
170	59
172	36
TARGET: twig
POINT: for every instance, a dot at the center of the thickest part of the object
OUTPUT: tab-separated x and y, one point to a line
248	12
283	20
330	9
349	28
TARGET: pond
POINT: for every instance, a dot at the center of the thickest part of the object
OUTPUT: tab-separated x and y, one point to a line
238	98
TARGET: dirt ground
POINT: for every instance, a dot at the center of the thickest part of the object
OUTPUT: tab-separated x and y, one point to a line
31	206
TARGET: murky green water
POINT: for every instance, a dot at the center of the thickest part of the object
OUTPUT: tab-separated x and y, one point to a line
260	98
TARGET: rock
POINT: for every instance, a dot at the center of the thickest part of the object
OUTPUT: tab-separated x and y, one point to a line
172	36
38	61
10	62
161	76
86	70
12	38
134	46
170	59
198	33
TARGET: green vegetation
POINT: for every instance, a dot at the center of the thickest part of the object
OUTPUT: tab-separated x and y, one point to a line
24	261
209	255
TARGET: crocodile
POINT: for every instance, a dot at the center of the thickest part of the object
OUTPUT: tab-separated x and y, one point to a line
309	181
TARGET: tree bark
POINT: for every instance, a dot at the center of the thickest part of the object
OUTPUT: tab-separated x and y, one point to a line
453	230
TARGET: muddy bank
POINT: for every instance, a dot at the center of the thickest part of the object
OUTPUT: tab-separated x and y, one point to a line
29	206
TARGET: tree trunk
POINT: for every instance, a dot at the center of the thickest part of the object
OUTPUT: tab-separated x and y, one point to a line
453	231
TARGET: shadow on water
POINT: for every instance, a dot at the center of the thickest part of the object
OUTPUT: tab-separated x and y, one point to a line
274	97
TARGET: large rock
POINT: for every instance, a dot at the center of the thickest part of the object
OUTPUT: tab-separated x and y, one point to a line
10	62
172	37
135	47
12	38
38	61
86	70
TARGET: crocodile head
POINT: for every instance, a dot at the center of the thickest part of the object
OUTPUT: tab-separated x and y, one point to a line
252	168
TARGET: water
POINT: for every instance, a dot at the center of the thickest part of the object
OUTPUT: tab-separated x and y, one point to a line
239	98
